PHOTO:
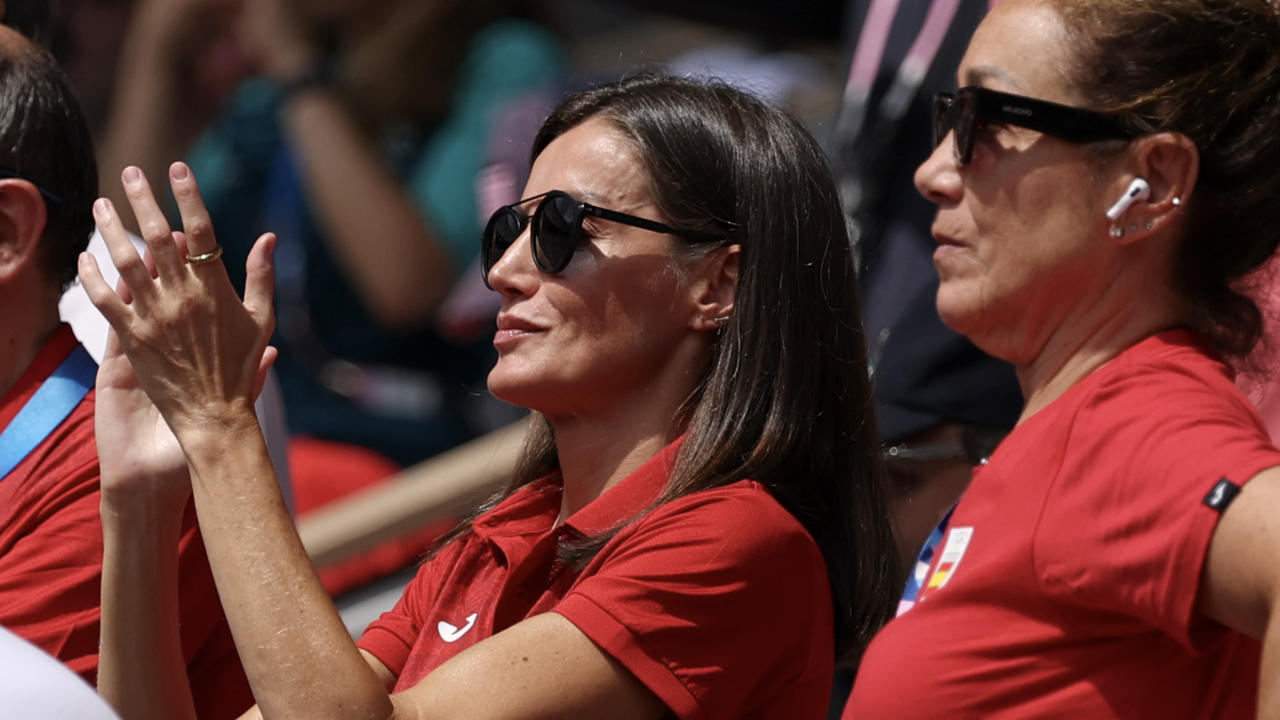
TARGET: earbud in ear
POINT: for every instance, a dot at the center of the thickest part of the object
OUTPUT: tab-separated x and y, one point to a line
1138	190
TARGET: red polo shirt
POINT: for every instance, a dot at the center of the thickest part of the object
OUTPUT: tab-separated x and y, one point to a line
718	602
51	554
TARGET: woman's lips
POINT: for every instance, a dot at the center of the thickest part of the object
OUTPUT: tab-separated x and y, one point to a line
947	246
511	329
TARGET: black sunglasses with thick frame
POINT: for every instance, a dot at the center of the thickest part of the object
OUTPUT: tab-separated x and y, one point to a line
972	107
555	229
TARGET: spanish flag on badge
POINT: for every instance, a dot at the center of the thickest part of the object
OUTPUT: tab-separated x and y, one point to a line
952	553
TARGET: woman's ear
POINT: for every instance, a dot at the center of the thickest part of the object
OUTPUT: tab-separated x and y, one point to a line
714	287
22	221
1170	163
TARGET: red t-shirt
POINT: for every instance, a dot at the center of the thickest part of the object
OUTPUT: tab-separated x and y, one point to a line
1066	584
51	554
718	602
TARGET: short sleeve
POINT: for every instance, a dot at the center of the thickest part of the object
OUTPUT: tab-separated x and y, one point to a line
719	603
391	637
1144	452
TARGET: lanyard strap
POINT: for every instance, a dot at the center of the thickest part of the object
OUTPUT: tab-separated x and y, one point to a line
60	393
869	56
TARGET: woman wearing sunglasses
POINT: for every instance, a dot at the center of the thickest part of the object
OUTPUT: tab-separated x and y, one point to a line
696	528
1105	180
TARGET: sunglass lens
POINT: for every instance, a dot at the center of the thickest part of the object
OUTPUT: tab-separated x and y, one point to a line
503	229
942	118
557	221
963	115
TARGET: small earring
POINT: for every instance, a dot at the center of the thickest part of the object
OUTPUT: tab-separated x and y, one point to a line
1148	224
1133	228
1177	201
720	320
1117	231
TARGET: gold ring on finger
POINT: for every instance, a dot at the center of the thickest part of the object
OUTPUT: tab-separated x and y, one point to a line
208	257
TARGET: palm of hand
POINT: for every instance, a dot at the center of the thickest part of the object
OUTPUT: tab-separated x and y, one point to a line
186	357
136	448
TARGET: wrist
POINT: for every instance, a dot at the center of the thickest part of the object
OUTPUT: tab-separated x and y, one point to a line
309	79
156	509
209	436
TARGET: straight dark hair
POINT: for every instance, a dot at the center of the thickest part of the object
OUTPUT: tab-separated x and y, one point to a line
785	399
44	139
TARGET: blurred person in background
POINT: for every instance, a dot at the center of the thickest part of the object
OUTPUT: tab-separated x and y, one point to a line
942	407
360	144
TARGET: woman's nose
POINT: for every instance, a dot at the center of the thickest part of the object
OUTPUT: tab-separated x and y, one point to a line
938	178
514	271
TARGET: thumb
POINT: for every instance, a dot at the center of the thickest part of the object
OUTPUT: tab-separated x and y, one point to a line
260	280
269	355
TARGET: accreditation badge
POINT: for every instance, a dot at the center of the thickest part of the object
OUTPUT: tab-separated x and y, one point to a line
952	553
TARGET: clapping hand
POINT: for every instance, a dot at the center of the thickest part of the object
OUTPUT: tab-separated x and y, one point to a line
185	352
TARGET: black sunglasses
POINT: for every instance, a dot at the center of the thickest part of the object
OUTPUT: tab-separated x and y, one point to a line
7	173
972	107
556	227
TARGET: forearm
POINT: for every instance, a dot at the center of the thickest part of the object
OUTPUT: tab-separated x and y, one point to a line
141	670
296	652
399	268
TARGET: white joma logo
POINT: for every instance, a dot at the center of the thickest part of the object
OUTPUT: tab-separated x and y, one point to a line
449	633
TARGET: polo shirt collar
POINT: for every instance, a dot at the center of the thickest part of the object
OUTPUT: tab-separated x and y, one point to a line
529	511
622	502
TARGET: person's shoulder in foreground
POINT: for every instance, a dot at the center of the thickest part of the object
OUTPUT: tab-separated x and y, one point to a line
34	685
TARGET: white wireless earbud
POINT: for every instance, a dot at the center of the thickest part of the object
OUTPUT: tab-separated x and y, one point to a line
1138	190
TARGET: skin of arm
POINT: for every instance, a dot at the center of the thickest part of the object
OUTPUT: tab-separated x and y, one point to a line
377	233
1240	586
187	337
153	117
140	580
380	238
392	259
142	507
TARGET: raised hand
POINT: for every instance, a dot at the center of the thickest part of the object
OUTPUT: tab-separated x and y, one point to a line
196	348
273	37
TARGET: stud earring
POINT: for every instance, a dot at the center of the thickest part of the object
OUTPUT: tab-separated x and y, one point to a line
1177	201
1148	224
1133	228
1117	231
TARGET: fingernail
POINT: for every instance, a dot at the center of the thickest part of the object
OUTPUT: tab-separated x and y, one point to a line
131	175
178	171
101	207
